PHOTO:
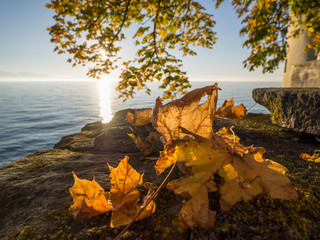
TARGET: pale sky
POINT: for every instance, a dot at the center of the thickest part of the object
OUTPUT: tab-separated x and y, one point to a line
26	52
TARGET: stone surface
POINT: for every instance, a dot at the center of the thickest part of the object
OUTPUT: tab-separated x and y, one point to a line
35	198
294	108
296	52
115	137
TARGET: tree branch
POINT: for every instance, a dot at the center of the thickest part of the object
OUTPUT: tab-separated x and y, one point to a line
122	23
155	35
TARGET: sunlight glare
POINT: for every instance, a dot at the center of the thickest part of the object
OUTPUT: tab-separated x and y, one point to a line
105	100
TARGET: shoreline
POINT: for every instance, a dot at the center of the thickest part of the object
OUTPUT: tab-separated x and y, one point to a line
35	197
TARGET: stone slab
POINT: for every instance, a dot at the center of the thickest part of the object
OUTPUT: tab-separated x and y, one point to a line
294	108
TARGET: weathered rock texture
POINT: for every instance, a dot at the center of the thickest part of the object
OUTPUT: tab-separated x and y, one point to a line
305	74
34	196
295	108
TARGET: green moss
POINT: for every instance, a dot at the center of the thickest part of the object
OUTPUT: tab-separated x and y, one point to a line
166	224
28	232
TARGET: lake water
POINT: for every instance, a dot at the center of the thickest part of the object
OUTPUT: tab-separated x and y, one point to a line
35	115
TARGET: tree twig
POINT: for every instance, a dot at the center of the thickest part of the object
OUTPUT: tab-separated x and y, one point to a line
251	107
122	23
103	235
155	36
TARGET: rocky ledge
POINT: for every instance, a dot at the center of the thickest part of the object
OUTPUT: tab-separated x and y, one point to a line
295	108
35	199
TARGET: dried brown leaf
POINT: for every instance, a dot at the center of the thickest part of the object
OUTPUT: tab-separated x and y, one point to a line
186	112
139	117
228	110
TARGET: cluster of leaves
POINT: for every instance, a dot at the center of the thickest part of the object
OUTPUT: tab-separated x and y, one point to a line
315	158
90	32
90	199
228	110
210	162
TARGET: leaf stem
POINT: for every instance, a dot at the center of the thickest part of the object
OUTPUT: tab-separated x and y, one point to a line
103	235
145	205
234	140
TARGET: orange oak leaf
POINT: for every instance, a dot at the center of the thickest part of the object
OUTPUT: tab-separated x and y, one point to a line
186	112
228	110
124	196
89	199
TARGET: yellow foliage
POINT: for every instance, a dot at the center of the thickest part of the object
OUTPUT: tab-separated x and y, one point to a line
243	173
314	158
89	199
124	196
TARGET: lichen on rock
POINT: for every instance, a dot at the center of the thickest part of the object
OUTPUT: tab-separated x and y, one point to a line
275	108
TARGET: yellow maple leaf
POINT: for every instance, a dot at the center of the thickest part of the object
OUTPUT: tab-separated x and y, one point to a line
228	110
244	171
124	196
166	158
204	160
89	198
250	174
196	212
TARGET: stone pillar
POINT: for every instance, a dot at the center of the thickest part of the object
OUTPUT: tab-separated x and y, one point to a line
306	75
296	54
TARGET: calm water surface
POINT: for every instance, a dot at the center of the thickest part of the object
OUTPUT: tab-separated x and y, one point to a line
35	115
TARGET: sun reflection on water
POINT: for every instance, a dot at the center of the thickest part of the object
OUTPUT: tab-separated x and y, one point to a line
105	100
